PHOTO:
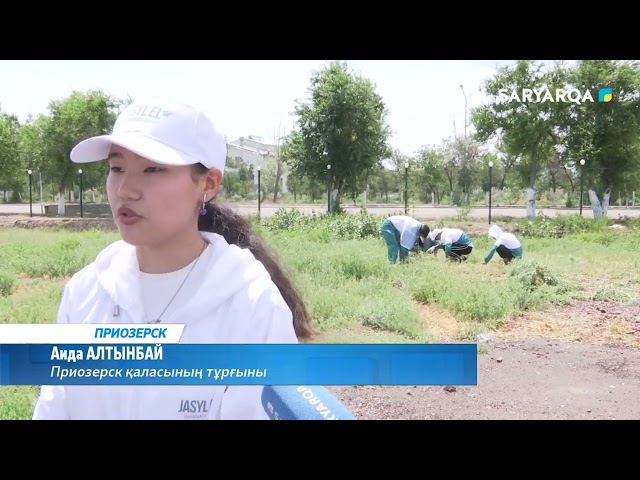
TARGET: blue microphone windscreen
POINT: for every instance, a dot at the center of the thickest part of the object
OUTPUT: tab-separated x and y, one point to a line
298	402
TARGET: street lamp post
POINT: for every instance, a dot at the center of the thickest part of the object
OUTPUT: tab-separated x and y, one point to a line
582	162
490	188
465	111
81	194
406	188
30	193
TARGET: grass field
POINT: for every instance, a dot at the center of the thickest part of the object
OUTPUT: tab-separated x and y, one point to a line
353	293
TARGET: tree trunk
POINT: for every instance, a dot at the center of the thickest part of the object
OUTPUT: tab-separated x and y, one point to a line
61	209
278	175
335	200
531	192
531	203
600	207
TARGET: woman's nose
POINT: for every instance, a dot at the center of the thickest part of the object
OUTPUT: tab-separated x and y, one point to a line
128	188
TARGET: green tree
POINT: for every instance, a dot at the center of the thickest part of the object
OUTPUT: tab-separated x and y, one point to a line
12	171
528	128
71	120
343	125
230	183
606	134
431	173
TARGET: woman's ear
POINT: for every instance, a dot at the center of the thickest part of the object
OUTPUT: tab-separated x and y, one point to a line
213	183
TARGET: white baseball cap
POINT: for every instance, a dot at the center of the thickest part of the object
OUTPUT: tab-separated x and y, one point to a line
162	130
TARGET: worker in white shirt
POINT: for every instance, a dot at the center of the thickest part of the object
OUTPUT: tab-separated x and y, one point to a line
402	233
505	244
455	242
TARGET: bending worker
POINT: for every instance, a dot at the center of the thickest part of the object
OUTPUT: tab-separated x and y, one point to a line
506	244
456	243
401	234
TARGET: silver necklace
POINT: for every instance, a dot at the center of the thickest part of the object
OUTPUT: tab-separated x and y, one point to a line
180	287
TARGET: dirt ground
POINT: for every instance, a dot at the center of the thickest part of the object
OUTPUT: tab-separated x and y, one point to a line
525	379
576	362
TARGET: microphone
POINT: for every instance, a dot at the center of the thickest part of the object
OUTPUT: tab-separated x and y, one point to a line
287	402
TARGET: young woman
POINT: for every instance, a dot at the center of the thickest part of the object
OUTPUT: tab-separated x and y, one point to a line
505	244
401	234
182	259
456	243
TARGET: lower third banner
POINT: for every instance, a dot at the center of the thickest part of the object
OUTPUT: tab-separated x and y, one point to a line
232	364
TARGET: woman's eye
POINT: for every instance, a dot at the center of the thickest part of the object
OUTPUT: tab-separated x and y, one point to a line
146	170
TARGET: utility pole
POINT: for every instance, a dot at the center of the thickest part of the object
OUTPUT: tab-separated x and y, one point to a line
465	111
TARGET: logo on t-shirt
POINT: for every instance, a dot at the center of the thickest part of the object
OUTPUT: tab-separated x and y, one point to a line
195	409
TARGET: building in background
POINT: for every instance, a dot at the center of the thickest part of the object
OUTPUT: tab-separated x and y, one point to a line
254	150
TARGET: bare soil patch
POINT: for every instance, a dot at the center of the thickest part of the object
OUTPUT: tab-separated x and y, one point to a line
441	323
596	323
528	379
574	362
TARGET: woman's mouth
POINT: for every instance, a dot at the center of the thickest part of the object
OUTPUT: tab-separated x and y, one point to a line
128	216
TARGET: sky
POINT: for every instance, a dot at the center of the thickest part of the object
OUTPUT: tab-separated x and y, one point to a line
247	97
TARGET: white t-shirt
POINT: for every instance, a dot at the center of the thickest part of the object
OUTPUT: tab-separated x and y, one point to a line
408	228
157	289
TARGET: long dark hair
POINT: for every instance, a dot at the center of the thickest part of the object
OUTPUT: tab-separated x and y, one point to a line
236	230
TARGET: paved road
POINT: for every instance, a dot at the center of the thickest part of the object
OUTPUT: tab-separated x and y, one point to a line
14	209
421	212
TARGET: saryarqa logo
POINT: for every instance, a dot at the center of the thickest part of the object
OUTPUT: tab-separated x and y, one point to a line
605	95
563	95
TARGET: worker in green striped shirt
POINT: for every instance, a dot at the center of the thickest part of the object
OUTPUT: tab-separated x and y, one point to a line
505	244
455	242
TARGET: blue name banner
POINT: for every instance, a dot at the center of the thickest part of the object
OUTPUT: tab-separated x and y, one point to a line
233	364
